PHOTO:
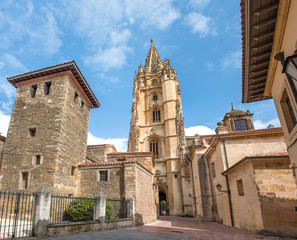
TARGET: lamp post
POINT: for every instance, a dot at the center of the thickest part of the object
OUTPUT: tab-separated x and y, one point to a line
290	69
219	187
290	66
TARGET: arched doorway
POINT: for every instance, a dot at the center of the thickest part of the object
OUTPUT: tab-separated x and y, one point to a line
163	206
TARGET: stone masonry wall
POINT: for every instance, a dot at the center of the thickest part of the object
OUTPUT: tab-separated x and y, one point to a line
99	152
145	206
60	139
112	189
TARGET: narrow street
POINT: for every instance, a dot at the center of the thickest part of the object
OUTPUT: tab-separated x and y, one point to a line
172	228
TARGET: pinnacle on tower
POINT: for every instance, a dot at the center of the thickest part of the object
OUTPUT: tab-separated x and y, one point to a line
153	62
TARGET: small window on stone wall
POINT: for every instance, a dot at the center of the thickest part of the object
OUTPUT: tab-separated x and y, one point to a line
75	96
240	125
154	82
156	115
32	132
37	160
155	97
47	88
288	111
82	104
213	170
24	180
73	170
33	91
103	176
240	187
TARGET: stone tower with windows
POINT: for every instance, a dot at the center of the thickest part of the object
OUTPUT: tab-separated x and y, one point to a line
47	135
157	126
236	120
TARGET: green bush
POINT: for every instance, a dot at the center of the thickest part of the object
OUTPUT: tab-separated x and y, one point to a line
81	209
108	210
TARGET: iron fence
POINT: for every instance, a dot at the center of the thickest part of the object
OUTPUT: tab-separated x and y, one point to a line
16	214
118	209
65	209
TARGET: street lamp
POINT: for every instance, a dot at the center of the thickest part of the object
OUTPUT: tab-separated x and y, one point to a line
219	187
290	66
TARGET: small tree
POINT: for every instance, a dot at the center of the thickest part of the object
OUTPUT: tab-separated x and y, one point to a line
108	210
81	209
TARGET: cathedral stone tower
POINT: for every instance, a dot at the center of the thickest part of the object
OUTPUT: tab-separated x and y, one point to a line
47	135
157	126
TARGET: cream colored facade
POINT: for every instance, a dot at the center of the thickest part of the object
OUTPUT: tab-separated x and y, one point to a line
281	85
255	158
157	126
278	36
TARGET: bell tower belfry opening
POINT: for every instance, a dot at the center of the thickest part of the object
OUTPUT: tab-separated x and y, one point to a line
157	126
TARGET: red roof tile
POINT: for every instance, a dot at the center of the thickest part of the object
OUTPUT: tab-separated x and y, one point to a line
68	66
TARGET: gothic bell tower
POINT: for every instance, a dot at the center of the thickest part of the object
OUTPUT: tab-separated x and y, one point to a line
157	126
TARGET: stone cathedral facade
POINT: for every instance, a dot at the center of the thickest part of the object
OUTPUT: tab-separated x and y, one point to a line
157	126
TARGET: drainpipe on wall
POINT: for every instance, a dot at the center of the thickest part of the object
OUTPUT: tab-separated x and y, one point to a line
227	182
194	189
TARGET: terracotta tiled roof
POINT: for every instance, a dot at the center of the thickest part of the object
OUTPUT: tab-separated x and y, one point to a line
68	66
130	153
274	154
263	155
2	138
105	163
91	159
112	163
100	145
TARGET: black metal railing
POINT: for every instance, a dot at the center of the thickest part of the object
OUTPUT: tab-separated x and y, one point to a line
65	209
118	209
16	214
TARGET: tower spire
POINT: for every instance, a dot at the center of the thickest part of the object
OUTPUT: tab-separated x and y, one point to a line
153	62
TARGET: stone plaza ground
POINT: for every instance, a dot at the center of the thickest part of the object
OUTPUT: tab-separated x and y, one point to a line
172	228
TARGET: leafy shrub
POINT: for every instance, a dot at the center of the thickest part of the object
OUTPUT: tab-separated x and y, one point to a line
81	209
108	210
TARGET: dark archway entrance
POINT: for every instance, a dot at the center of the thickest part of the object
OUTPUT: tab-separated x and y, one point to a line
162	203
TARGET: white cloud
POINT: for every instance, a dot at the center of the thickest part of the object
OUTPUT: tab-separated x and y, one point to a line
199	3
201	130
121	144
13	62
29	28
259	124
200	24
4	123
105	59
150	13
107	25
232	60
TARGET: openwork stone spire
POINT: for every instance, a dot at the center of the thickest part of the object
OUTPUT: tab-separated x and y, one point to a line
153	62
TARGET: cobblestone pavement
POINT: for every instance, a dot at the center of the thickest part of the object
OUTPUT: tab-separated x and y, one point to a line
196	229
171	228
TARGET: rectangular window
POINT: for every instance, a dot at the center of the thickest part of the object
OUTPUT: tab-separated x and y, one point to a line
73	171
103	176
240	187
32	132
33	91
155	97
213	170
82	104
288	111
240	125
24	180
47	87
37	159
75	96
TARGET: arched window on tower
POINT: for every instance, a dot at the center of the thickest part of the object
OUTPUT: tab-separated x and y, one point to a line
154	148
156	115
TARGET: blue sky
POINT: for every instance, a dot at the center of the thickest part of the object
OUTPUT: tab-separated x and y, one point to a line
109	39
